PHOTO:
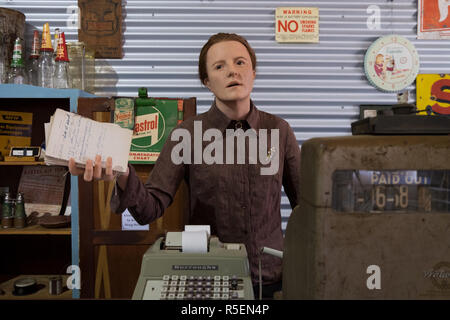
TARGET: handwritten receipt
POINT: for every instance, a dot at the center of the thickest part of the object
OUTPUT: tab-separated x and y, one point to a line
70	135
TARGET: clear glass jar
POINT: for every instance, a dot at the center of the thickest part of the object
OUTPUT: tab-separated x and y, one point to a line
81	66
75	52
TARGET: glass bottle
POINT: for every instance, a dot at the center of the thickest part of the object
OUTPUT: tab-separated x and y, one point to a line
46	62
61	74
60	78
17	74
33	67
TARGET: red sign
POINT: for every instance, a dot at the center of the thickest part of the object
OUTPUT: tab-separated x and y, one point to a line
434	19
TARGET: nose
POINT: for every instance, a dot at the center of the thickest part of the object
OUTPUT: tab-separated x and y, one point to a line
232	72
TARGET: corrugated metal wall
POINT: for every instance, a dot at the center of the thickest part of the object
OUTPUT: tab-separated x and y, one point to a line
317	88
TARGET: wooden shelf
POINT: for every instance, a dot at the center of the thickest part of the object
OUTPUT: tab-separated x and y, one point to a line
41	293
35	230
22	163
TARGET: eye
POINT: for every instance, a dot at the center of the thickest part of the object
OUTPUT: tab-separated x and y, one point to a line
240	62
218	67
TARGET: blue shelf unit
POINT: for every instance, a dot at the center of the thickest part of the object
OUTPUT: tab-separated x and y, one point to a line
12	91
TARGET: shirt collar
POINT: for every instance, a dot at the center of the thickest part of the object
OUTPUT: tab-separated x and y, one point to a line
220	121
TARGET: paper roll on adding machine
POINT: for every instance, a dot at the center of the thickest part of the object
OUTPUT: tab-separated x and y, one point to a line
194	265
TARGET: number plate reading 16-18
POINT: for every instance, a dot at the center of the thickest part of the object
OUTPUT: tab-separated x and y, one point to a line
389	190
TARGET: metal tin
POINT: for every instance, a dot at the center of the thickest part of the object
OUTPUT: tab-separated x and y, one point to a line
55	285
124	112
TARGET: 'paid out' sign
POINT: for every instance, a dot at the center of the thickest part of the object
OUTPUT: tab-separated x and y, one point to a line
297	24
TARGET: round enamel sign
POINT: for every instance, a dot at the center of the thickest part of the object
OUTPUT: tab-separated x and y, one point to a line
391	63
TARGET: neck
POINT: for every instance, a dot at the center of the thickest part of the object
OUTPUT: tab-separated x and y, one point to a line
234	110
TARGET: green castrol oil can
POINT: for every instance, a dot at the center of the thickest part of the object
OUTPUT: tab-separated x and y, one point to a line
153	122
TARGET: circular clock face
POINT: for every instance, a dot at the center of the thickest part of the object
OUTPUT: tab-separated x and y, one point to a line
391	63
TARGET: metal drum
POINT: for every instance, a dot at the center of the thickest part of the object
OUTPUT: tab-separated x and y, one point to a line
12	25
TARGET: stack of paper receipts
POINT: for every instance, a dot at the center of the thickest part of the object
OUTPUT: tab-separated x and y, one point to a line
69	135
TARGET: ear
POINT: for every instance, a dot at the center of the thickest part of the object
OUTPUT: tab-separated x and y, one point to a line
206	83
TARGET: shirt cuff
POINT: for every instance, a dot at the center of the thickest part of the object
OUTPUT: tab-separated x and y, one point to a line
123	199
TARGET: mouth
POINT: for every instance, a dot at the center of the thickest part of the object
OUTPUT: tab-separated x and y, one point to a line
233	84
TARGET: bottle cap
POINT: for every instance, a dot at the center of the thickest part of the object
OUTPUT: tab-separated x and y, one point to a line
142	92
46	39
61	54
35	46
17	54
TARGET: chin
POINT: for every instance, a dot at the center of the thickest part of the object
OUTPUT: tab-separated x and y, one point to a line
233	97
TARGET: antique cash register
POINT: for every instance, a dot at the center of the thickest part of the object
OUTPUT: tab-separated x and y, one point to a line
193	265
373	220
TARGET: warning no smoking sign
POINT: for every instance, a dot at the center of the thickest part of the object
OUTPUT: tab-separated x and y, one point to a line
297	24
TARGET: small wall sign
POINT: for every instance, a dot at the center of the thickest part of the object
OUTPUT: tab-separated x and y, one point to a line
297	24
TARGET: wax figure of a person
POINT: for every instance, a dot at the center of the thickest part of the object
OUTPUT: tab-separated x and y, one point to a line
240	200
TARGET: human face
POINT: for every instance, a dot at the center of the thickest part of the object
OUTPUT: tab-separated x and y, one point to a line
230	72
379	59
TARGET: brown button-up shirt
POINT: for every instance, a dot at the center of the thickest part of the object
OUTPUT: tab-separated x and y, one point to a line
234	198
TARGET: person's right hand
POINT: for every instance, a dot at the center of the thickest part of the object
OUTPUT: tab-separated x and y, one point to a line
93	169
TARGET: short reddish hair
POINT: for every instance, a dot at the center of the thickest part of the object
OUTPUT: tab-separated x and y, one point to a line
220	37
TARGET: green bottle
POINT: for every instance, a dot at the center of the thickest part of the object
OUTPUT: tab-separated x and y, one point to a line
17	74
